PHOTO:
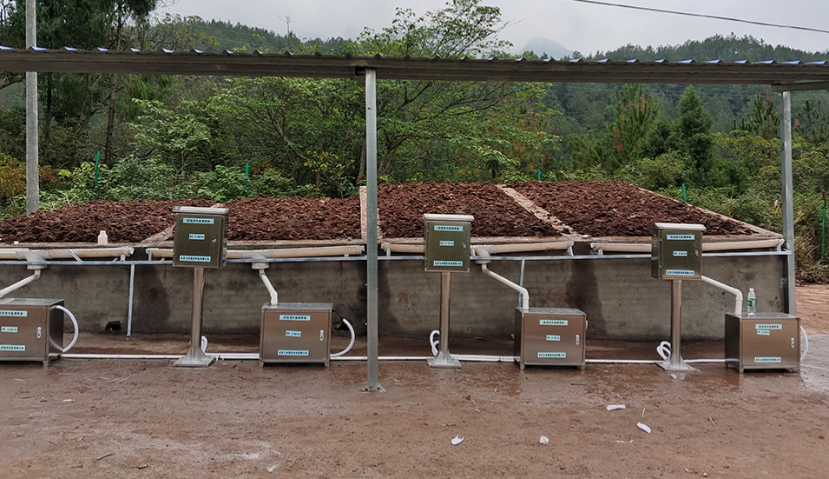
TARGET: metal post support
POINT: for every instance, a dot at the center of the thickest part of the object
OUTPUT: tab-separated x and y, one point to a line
675	362
372	294
196	358
129	306
32	174
444	359
788	201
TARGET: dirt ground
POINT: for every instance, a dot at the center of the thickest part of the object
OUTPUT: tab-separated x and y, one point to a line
143	418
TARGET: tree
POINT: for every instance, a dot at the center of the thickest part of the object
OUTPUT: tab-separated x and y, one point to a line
71	100
693	130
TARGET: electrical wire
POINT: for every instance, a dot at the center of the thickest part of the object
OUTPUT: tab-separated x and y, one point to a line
701	15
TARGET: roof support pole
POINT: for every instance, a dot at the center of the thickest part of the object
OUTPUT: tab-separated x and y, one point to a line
32	176
372	294
788	199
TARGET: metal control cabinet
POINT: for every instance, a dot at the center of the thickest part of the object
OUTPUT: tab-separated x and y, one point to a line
762	341
199	239
550	337
30	329
447	243
296	333
676	251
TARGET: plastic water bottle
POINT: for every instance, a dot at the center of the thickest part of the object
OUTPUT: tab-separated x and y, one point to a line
752	302
102	238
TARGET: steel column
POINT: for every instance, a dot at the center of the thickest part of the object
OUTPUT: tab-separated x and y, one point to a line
372	294
129	306
788	201
444	359
675	362
32	174
195	357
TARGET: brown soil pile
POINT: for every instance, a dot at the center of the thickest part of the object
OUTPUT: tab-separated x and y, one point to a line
612	208
124	221
402	208
596	208
272	219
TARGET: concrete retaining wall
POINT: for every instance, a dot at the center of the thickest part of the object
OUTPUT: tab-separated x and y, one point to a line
620	298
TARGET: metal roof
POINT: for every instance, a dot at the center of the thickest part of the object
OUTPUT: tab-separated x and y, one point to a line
167	62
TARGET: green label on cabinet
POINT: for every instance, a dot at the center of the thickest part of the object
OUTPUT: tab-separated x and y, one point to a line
767	359
552	355
292	352
553	322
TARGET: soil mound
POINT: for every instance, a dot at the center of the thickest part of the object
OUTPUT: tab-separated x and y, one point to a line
613	208
124	221
402	208
273	219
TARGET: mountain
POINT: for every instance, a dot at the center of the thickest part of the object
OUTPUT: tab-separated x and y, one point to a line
540	46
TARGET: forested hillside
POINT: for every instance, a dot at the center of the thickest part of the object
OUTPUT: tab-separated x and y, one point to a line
224	138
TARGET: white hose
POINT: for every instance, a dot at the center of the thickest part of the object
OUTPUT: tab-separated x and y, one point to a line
664	350
805	344
433	342
351	330
74	324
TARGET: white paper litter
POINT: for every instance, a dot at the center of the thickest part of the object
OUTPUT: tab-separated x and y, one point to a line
643	427
544	440
613	407
457	440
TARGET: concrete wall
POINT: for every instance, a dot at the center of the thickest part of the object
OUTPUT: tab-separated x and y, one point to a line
620	298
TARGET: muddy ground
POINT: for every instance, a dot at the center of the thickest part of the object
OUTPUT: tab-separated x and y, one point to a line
144	418
591	207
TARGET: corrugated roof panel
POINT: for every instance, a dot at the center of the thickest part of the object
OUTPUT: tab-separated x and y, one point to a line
317	65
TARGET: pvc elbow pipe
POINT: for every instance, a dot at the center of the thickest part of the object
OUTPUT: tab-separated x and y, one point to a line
269	286
525	295
738	307
20	284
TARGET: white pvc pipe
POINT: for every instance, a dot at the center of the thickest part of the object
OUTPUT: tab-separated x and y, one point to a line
525	303
709	246
66	253
493	249
20	284
269	286
620	361
738	307
310	252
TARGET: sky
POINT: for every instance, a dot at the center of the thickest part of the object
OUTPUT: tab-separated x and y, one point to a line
586	28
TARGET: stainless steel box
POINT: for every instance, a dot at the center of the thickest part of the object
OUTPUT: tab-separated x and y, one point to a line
762	341
550	337
30	329
676	251
296	333
447	243
199	238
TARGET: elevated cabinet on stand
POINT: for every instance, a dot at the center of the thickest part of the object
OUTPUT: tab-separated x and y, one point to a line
296	333
550	337
762	341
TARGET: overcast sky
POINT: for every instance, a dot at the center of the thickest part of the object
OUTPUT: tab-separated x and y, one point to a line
578	26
